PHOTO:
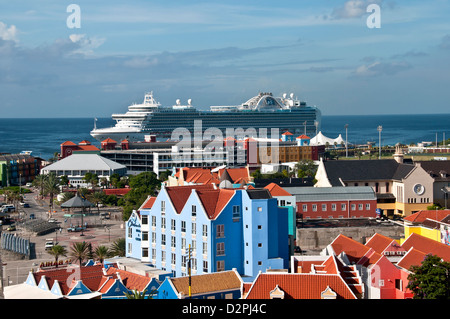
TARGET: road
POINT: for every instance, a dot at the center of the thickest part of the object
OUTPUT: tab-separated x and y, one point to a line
16	271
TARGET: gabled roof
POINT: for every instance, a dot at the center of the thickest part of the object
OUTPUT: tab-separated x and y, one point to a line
427	245
67	143
130	280
422	215
299	286
277	190
413	257
353	249
108	140
148	203
380	243
215	200
81	161
180	194
361	170
201	284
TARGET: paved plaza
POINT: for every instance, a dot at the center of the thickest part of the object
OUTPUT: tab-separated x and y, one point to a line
99	232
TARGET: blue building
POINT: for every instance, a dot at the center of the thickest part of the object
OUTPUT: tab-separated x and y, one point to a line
224	228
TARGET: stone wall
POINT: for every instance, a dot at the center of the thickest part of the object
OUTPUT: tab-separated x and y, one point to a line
319	238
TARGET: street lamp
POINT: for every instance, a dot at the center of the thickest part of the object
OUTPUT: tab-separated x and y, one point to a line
346	143
379	128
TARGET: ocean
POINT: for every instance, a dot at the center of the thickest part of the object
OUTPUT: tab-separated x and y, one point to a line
43	136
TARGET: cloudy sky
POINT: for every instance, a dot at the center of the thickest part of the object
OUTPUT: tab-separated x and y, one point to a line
222	53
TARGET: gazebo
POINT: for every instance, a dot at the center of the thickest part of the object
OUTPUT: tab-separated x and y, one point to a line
78	202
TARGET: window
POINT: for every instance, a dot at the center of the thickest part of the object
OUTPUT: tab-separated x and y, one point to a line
220	231
205	230
130	248
259	209
173	259
194	229
145	235
333	207
144	252
398	284
173	224
144	219
282	203
183	243
220	265
130	232
205	249
236	212
353	206
343	206
220	249
183	226
305	207
324	207
163	222
163	206
173	242
154	221
163	239
153	238
367	206
194	210
205	266
360	206
153	253
314	208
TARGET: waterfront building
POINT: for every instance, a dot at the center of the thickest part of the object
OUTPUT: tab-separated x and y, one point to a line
234	176
225	229
76	166
18	169
68	148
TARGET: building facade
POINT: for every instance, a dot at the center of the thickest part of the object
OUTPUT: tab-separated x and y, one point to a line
223	228
18	169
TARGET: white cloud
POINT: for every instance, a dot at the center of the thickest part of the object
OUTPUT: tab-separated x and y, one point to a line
353	9
8	34
86	44
381	68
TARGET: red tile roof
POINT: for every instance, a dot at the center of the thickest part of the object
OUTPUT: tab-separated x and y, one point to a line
69	143
116	191
380	243
148	203
277	190
299	286
180	194
427	245
303	137
214	201
422	215
130	280
287	133
353	249
108	140
413	257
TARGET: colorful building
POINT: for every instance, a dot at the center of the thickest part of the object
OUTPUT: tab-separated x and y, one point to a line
224	228
18	169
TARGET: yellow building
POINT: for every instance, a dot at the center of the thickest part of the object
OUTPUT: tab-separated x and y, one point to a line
432	224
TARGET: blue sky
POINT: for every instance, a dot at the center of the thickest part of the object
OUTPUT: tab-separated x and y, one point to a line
223	52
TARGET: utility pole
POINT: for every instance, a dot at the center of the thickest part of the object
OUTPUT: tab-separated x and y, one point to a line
189	271
379	128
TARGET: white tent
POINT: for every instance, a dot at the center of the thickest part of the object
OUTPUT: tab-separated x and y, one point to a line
321	139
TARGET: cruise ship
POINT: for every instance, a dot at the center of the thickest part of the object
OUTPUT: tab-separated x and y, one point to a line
286	113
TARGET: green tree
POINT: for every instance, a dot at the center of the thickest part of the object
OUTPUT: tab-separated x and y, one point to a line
91	178
80	251
101	253
135	294
306	168
57	251
97	198
38	182
51	187
64	180
430	280
118	247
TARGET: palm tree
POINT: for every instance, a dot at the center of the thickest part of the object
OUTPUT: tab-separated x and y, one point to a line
96	198
51	186
135	294
39	183
118	247
101	252
79	251
58	251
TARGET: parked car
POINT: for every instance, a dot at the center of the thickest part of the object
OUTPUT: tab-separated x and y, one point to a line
76	229
11	228
52	220
32	216
49	244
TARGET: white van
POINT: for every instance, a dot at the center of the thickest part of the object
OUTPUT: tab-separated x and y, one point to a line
8	208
